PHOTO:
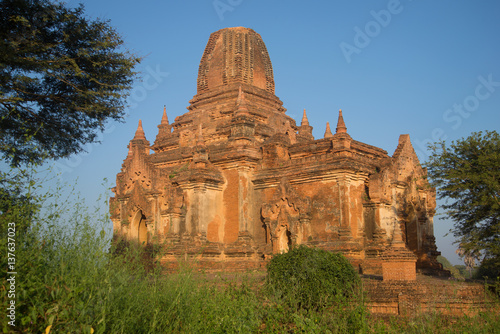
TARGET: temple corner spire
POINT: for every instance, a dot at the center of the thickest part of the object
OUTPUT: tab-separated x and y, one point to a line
139	133
341	128
304	121
328	131
164	118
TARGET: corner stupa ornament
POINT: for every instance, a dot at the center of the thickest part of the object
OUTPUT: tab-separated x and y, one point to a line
341	128
235	179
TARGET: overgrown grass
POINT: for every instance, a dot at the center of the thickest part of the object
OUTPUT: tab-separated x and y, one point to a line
71	279
485	323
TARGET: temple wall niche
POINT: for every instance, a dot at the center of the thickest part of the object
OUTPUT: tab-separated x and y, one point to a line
245	199
265	195
203	208
256	223
356	191
258	229
369	212
181	225
285	216
325	210
231	205
387	217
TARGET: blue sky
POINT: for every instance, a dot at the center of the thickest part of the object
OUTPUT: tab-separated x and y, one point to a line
426	68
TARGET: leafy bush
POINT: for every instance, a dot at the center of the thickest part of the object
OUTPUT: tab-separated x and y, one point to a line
308	278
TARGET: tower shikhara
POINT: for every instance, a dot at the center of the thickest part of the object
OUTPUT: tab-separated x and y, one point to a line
235	179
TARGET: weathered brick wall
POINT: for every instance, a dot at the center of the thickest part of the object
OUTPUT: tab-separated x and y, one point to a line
399	270
426	295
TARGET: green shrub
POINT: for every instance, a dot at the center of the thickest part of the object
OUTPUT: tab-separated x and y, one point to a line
308	278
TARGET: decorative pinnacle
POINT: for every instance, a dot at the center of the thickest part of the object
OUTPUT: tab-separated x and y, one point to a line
305	121
241	103
397	237
328	132
139	133
199	137
164	118
341	128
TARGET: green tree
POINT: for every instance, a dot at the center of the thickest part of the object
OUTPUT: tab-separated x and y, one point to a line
62	76
467	175
455	273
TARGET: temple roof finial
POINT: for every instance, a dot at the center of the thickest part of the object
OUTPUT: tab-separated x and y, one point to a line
328	132
397	237
139	133
341	128
164	118
199	136
305	121
241	103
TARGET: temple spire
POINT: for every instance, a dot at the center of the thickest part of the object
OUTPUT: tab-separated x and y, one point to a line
305	121
164	118
328	132
139	133
200	156
199	136
241	104
341	128
397	237
305	130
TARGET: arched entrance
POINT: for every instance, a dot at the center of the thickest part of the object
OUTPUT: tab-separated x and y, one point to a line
139	230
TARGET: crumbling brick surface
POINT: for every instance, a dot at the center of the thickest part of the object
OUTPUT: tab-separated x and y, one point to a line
426	295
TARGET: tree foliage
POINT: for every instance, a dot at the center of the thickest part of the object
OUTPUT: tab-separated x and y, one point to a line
467	174
62	76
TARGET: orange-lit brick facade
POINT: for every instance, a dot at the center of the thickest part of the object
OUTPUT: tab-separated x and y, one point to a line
235	179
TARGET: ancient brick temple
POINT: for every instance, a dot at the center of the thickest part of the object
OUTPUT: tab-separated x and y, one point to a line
235	179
